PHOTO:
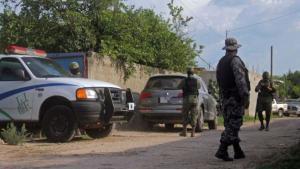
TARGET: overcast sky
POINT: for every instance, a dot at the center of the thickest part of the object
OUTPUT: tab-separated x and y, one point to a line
213	17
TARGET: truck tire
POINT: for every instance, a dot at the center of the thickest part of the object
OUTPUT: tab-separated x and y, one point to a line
280	112
99	132
169	126
200	121
213	124
59	124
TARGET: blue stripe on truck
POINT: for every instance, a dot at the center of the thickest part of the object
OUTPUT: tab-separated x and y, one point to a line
23	89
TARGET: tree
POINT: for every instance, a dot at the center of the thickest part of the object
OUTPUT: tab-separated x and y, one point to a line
291	86
109	27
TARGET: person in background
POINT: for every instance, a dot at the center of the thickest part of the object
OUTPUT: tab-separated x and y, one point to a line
75	69
190	108
266	92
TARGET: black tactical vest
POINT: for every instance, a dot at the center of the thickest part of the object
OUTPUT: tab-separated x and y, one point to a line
225	76
190	86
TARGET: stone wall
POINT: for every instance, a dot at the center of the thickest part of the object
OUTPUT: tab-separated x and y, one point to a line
103	68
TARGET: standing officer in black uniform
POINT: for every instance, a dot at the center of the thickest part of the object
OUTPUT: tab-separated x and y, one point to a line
233	81
191	105
265	91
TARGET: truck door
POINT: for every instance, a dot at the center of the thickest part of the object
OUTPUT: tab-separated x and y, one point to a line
16	98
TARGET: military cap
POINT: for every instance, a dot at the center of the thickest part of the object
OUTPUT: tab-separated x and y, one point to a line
231	44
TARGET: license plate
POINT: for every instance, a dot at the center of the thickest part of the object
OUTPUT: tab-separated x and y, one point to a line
131	106
163	100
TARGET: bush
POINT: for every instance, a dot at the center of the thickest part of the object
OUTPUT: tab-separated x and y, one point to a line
12	136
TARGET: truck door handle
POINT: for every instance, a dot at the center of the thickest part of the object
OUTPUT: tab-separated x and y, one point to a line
39	89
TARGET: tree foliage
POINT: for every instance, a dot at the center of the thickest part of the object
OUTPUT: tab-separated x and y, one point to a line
291	86
109	27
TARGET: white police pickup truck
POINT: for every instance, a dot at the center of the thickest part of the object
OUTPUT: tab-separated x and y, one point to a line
38	92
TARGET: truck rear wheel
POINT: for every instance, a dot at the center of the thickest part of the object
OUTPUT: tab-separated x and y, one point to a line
99	132
200	121
59	124
169	126
212	125
280	112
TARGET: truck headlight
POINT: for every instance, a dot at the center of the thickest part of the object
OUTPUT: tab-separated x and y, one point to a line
86	94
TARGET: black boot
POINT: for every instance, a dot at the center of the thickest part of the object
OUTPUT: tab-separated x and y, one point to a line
222	153
262	126
238	152
193	131
267	126
184	130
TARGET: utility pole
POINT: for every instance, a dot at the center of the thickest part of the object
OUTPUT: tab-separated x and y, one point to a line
271	71
226	34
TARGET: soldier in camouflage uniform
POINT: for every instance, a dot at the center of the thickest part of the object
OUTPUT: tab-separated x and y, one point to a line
212	89
74	69
234	86
265	91
191	105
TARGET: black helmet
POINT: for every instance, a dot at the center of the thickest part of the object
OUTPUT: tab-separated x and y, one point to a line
266	75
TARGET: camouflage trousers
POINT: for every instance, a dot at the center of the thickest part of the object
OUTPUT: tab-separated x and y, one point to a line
233	119
190	113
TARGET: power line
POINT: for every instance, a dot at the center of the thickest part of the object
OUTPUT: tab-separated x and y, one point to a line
206	25
262	22
209	65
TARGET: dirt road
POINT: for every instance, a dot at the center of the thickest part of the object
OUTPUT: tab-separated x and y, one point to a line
149	150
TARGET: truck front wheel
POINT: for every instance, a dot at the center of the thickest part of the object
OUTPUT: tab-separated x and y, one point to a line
59	124
99	132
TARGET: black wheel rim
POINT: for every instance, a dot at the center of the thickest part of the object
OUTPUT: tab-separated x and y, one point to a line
59	125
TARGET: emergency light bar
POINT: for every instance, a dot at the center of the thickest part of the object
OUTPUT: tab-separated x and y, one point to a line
13	49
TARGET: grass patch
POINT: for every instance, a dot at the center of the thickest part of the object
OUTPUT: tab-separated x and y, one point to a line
246	118
287	160
14	136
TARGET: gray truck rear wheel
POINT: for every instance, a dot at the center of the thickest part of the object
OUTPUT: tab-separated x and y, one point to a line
212	125
99	132
200	121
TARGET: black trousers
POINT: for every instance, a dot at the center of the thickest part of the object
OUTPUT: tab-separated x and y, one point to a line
264	105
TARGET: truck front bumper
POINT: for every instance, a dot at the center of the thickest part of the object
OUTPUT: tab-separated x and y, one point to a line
92	114
87	112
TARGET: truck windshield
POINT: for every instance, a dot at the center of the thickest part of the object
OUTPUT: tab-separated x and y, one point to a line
45	68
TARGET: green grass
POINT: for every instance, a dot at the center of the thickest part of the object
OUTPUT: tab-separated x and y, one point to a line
286	160
246	118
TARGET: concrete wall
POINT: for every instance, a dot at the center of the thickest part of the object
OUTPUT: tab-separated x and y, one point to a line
103	68
254	79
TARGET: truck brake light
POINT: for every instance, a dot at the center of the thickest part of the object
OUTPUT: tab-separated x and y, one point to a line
145	95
